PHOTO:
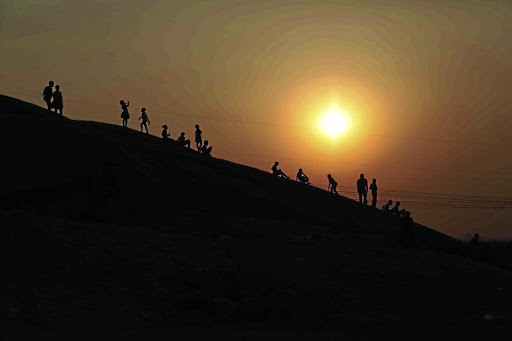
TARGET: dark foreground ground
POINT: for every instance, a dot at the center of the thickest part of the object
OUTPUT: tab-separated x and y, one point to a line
109	233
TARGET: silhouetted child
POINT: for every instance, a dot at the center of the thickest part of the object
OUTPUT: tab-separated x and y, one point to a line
57	103
401	214
125	115
301	177
205	150
182	141
332	185
406	218
373	188
386	207
396	209
362	189
145	120
199	138
165	134
47	95
277	172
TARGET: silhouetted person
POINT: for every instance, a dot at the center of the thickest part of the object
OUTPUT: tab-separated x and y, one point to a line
199	138
396	209
332	185
57	103
165	134
362	189
475	240
205	150
406	218
47	95
182	141
386	207
373	188
301	177
145	120
401	214
125	115
277	172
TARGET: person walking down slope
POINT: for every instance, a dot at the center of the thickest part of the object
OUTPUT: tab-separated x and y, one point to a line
205	150
165	133
199	138
302	178
182	141
47	95
58	102
277	172
373	188
362	189
332	185
125	115
145	120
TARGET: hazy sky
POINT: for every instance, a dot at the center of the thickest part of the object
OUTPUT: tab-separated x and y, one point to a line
426	85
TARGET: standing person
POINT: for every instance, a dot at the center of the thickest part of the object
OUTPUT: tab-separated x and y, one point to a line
199	139
165	134
125	115
145	119
332	185
362	189
373	188
47	95
57	103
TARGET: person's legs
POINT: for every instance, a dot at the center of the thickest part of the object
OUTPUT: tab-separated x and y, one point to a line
365	198
187	143
374	200
146	126
360	197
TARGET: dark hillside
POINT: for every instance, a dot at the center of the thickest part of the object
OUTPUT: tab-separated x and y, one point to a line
106	228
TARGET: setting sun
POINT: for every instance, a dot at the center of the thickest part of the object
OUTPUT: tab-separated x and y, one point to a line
334	122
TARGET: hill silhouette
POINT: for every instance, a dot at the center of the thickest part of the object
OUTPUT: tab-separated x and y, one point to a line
107	228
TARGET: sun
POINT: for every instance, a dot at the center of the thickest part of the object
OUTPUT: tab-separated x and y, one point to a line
334	122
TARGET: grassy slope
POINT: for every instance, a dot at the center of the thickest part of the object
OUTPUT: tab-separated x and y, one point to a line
109	228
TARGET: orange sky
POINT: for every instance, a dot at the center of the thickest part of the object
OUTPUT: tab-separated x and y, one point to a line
256	74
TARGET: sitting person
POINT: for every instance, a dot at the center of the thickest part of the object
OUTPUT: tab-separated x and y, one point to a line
396	209
278	172
205	150
182	141
386	207
165	134
407	218
301	177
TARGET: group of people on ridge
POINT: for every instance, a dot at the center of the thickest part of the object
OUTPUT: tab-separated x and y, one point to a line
202	147
52	98
362	191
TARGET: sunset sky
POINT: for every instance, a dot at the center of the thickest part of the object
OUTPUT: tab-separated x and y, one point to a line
425	85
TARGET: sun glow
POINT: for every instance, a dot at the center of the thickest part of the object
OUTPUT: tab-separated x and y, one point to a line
334	122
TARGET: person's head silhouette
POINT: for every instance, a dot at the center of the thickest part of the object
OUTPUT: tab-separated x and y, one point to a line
51	83
182	134
276	163
164	126
398	203
329	176
374	180
143	109
390	202
197	126
300	170
362	175
57	87
121	102
205	142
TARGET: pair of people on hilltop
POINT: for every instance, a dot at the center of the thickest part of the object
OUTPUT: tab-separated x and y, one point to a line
48	94
125	115
362	190
182	141
203	148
